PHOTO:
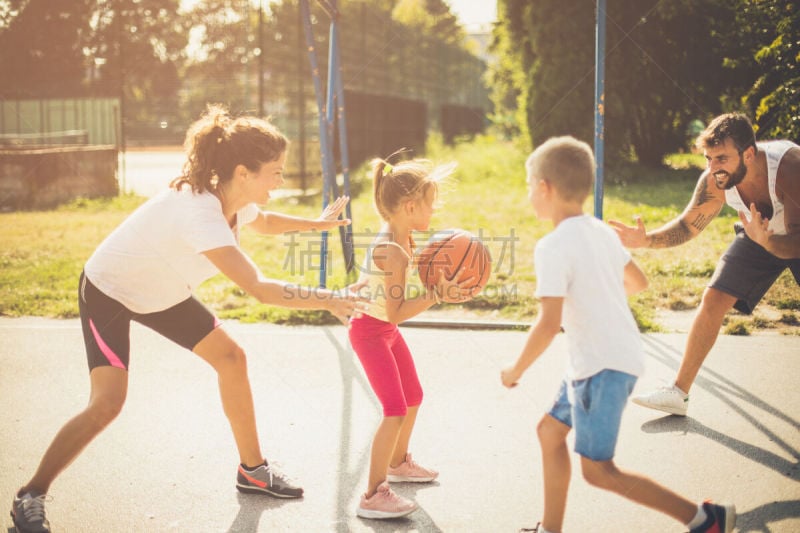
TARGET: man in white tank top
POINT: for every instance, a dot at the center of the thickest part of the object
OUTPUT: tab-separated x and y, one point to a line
762	182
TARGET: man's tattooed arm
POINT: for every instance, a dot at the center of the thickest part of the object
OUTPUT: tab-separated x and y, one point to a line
706	203
671	234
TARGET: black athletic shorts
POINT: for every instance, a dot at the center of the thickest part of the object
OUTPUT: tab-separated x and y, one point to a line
106	325
747	271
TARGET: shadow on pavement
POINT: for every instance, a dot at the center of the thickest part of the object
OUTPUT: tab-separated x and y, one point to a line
758	519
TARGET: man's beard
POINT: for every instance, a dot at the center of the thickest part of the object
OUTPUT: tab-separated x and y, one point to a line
726	180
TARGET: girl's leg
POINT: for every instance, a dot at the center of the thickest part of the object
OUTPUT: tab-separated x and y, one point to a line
373	342
556	470
109	389
412	392
230	362
401	447
383	445
638	488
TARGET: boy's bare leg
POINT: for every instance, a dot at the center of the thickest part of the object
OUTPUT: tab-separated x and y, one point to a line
638	488
556	470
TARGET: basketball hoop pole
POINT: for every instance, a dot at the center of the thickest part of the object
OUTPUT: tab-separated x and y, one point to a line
599	105
329	111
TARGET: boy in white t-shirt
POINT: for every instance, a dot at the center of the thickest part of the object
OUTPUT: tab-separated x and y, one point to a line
583	276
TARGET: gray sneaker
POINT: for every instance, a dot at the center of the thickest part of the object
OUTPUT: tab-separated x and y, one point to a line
671	400
266	479
27	511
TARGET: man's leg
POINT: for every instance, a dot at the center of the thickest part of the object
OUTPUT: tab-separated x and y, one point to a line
702	335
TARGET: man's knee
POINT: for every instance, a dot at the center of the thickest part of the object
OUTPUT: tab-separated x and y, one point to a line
715	302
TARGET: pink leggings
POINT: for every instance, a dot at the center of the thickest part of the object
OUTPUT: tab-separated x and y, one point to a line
388	364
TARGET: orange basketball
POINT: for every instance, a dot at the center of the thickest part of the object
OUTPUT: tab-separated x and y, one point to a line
452	250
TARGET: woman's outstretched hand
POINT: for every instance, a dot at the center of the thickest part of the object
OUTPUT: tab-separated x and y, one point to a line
330	215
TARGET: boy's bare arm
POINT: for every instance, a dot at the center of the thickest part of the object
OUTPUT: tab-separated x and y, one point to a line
541	335
634	279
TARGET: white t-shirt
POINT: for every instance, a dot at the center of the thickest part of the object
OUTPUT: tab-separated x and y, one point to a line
154	259
582	261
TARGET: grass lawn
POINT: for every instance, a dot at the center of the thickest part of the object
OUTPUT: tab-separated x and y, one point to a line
43	252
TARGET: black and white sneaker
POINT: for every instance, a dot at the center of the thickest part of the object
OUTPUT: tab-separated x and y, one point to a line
266	479
27	511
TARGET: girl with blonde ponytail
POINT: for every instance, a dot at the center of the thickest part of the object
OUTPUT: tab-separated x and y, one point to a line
404	195
147	270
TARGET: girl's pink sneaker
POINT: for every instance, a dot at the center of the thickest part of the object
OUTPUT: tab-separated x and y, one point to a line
384	504
409	471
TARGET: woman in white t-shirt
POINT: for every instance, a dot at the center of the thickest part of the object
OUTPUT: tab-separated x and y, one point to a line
147	269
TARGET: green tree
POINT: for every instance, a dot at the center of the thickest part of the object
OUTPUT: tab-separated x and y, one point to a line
69	48
663	68
142	47
432	17
505	76
771	32
42	47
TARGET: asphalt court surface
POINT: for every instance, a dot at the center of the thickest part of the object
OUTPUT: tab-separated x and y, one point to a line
168	463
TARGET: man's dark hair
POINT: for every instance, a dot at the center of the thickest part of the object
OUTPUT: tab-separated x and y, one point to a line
734	126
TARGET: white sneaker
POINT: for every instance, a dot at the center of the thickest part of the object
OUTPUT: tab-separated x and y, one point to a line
668	399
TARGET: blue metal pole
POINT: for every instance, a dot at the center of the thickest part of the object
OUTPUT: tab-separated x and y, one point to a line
346	233
599	105
328	169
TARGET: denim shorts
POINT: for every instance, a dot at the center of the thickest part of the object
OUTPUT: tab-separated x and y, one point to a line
746	271
593	408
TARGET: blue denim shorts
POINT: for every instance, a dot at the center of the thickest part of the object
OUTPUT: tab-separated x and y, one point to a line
593	408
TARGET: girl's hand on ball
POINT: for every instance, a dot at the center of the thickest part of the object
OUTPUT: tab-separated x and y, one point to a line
453	292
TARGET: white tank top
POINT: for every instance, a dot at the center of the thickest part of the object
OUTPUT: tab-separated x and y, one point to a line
376	288
774	151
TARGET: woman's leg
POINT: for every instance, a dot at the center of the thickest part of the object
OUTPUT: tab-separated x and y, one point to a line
109	389
230	362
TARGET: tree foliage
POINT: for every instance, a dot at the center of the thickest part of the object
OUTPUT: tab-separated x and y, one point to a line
771	31
41	47
70	48
667	65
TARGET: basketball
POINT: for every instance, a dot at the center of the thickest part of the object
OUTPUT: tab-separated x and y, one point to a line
451	250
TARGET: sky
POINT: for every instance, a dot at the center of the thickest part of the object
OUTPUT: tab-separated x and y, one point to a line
471	13
474	13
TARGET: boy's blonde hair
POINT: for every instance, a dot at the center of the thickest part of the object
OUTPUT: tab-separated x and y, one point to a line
566	163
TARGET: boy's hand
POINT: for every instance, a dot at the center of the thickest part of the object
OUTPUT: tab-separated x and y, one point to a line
510	376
